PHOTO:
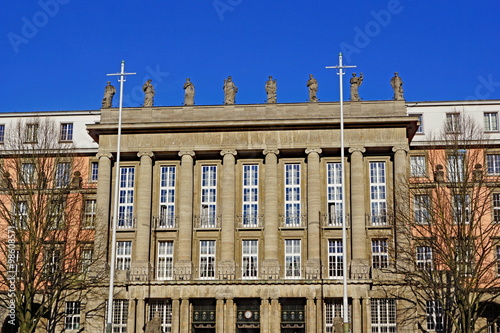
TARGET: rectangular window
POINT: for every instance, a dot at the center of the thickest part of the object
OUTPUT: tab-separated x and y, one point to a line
2	133
453	122
417	166
334	309
27	173
31	134
335	259
52	260
163	309
94	171
420	128
126	199
456	167
208	215
250	259
86	259
165	265
250	194
120	315
63	173
493	163
123	255
491	121
167	197
461	209
383	313
292	258
434	312
55	214
380	253
292	195
421	208
20	214
334	193
496	207
207	259
378	193
424	259
66	132
72	316
90	213
465	256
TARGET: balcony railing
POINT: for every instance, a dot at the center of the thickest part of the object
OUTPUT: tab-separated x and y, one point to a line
125	222
165	222
378	220
292	220
334	220
207	222
250	221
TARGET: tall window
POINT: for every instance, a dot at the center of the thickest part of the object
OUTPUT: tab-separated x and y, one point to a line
27	173
208	196
165	265
167	197
420	128
383	315
292	258
421	206
207	259
52	259
123	255
86	258
417	166
380	253
120	315
66	132
31	134
424	258
72	316
63	172
334	193
496	207
90	213
434	311
491	121
2	133
334	308
55	214
456	167
461	209
20	214
378	193
335	259
453	122
163	309
126	199
292	195
94	171
250	259
493	163
250	195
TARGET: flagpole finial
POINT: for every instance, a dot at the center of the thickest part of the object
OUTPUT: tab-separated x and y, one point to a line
340	54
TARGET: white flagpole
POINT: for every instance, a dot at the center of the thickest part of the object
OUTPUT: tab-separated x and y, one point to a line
109	321
342	168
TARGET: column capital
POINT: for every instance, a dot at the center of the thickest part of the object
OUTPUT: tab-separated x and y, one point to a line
108	155
398	148
228	152
186	152
314	150
274	151
145	153
362	150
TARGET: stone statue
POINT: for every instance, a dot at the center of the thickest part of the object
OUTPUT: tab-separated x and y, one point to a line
154	325
355	83
338	325
271	90
188	92
149	93
230	91
312	84
397	86
109	92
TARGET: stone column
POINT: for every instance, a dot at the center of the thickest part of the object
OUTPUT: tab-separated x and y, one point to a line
103	200
227	265
264	315
367	313
143	208
185	321
313	211
183	264
275	316
320	314
229	323
356	316
311	315
271	263
360	262
219	315
140	311
175	315
401	204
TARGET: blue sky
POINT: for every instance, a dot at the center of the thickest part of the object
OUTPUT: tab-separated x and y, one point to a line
55	54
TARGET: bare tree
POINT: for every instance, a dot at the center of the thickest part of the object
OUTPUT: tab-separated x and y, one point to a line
47	249
447	251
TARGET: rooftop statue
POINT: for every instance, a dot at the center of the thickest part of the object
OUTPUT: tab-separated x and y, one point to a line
312	84
355	83
109	92
188	92
230	91
149	93
397	86
271	90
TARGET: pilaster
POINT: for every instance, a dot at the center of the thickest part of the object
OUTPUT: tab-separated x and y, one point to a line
175	315
103	200
356	316
275	316
143	207
311	315
227	264
264	315
313	212
185	322
219	315
229	316
183	264
271	263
